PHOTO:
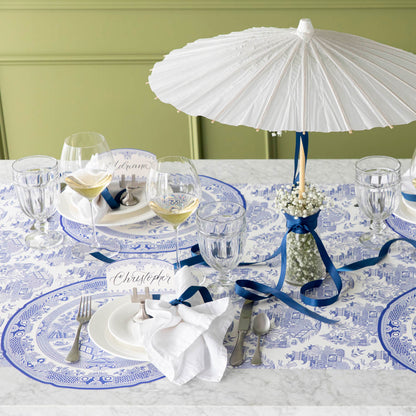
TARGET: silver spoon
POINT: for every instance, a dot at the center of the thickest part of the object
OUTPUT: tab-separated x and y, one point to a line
261	326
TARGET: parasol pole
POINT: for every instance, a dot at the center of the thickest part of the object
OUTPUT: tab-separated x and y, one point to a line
302	165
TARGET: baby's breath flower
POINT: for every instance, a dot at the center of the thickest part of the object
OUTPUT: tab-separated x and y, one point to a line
287	200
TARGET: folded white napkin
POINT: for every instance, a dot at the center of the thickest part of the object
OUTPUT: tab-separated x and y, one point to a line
80	206
186	342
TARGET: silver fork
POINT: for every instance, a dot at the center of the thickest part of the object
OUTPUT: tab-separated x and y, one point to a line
83	316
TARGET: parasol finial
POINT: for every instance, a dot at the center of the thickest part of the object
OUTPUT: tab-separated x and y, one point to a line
305	29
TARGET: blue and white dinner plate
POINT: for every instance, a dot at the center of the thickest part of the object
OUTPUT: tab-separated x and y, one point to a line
155	235
127	162
397	329
38	337
401	225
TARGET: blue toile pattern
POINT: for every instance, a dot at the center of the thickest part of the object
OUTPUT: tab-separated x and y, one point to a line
39	294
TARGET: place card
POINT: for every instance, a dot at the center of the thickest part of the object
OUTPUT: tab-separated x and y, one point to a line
132	161
124	275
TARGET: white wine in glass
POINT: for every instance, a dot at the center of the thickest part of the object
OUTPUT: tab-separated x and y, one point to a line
173	191
87	166
174	209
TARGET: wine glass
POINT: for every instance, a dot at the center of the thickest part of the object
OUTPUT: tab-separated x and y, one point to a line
377	185
222	234
87	166
36	180
173	191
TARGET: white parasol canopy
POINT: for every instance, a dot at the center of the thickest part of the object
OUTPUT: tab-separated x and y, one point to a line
290	79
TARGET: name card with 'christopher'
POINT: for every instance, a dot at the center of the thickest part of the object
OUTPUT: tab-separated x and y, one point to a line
125	275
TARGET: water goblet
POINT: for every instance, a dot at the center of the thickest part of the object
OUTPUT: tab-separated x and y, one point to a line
87	166
377	185
36	180
173	191
222	234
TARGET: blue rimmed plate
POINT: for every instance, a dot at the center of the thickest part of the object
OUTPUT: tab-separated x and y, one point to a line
398	223
38	337
397	329
155	235
127	162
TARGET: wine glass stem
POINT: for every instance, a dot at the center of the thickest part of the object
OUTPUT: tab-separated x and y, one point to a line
94	233
41	226
178	263
377	226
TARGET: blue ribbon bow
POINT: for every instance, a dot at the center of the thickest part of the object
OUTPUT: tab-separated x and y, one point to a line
206	296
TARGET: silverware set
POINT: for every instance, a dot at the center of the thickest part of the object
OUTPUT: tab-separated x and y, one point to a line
261	325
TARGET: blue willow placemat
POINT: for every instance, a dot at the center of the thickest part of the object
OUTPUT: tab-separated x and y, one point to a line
37	339
295	341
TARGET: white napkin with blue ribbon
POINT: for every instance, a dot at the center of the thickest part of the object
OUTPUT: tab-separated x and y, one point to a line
185	342
79	207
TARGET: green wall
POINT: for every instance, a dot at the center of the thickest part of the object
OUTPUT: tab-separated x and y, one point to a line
72	65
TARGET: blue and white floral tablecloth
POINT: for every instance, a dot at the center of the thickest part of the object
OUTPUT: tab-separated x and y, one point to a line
38	290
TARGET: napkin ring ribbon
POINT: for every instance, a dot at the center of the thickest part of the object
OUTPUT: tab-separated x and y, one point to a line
206	296
113	202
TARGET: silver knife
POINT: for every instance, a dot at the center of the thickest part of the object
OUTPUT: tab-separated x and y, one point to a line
237	356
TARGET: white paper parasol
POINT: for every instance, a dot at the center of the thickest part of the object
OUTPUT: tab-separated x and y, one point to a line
290	79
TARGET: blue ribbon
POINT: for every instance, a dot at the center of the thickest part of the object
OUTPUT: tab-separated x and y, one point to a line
102	257
196	257
298	226
113	202
242	285
374	260
409	197
206	296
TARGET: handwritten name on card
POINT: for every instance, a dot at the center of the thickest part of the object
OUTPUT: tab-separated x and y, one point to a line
130	162
124	275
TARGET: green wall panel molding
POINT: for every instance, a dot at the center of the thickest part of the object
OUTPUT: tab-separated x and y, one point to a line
71	65
4	151
199	4
87	59
195	137
42	105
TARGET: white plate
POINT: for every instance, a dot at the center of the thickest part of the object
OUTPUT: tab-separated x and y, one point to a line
101	336
121	216
122	328
410	205
408	187
127	161
404	213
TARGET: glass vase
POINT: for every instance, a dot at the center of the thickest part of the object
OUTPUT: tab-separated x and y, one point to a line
303	261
